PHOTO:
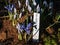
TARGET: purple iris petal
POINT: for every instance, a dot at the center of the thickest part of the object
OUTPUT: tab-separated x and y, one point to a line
22	27
27	31
9	7
28	28
29	25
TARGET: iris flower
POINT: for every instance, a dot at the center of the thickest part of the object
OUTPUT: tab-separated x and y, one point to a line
27	2
50	5
34	3
20	15
50	8
45	3
38	8
27	29
22	27
10	7
18	28
19	3
29	8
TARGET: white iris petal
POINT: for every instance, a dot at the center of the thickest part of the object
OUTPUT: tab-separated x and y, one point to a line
20	15
45	3
29	8
18	28
34	3
19	3
38	8
15	10
27	2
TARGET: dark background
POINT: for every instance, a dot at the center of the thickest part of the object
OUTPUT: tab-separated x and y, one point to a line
57	5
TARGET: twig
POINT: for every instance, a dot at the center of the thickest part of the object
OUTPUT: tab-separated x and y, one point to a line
5	17
52	24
